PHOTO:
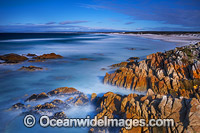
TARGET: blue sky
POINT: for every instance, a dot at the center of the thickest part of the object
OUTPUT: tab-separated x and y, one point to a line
99	15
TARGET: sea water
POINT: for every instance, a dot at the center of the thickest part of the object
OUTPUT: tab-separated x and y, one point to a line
84	75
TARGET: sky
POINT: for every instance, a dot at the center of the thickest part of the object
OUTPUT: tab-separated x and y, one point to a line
99	15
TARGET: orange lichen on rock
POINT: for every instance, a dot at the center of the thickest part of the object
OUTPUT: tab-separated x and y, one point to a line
162	72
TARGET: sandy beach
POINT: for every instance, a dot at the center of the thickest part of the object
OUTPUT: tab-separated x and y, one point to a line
180	39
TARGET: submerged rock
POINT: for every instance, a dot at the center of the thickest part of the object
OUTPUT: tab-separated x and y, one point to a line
62	91
37	60
131	48
60	103
89	59
57	102
45	106
103	69
71	96
55	107
31	54
18	106
31	68
78	100
60	115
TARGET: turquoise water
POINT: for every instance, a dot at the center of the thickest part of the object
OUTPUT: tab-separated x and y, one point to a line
86	76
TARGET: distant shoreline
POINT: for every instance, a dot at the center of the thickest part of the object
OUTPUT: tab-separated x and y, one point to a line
180	39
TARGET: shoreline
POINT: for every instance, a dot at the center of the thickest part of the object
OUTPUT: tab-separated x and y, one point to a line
180	39
160	71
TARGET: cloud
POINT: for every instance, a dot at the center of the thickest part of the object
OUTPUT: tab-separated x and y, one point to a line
172	29
49	23
73	22
129	23
139	29
90	6
181	13
52	28
29	24
114	20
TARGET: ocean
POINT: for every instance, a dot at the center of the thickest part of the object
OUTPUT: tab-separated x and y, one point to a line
84	75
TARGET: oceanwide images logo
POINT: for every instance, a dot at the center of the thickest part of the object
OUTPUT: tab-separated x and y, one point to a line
46	121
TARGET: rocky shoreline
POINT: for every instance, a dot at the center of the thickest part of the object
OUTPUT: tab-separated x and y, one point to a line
175	72
51	103
171	80
185	112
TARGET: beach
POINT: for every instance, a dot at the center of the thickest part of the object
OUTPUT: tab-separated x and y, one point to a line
179	39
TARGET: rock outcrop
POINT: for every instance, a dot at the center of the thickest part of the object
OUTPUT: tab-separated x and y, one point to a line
93	97
78	100
51	103
16	58
64	91
122	64
13	58
73	96
48	56
18	106
176	72
36	97
45	106
185	112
